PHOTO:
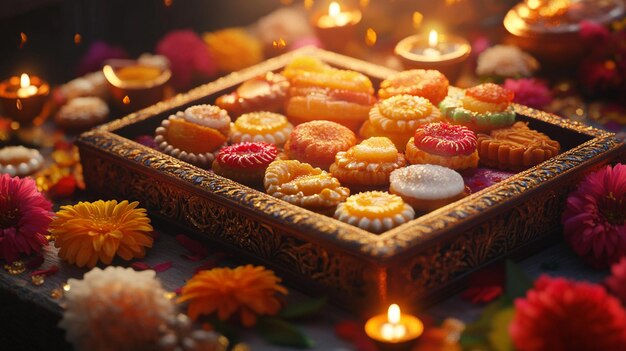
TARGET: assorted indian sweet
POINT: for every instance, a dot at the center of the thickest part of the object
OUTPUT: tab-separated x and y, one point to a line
515	148
321	92
82	113
245	162
318	142
264	126
303	185
429	84
195	134
374	211
267	92
19	160
481	108
427	187
443	144
398	117
367	164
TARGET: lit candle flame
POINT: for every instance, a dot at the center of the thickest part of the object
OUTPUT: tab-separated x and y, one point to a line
24	80
126	100
433	38
393	314
334	9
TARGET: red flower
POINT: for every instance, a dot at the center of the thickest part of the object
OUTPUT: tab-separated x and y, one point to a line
188	56
530	92
617	281
594	220
593	32
559	314
24	217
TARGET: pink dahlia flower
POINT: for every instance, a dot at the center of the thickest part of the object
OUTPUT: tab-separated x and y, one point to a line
188	56
594	220
530	92
24	217
560	314
617	281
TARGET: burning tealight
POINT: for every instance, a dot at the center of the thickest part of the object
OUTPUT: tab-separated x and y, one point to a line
394	330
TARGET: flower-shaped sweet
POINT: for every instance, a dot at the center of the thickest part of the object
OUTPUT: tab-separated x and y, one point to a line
481	108
116	309
268	127
368	163
443	144
303	185
398	117
375	211
89	232
19	161
24	217
246	290
245	162
194	135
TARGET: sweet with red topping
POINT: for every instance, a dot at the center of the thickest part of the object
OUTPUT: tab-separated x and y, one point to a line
445	139
248	155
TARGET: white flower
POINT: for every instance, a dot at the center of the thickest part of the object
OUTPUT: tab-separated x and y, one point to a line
506	61
116	309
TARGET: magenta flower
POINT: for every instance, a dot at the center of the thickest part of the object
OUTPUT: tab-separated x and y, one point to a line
617	281
560	314
98	52
24	217
188	55
594	220
530	92
593	32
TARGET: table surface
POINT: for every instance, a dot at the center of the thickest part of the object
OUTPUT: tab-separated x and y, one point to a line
320	328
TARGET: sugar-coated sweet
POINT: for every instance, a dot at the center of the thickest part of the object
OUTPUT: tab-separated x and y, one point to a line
245	162
264	126
318	142
443	144
429	84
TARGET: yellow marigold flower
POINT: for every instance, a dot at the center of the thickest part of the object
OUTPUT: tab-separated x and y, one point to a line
248	289
92	231
233	48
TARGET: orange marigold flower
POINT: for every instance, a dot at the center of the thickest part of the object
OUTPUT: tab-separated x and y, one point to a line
248	289
92	231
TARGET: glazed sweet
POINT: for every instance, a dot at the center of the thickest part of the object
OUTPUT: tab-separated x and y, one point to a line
318	142
321	92
443	144
269	127
515	148
367	164
194	135
430	84
303	185
19	160
427	187
263	93
245	162
398	117
482	108
374	211
82	113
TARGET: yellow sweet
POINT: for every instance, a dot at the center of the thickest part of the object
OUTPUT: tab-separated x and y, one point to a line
269	127
303	185
375	211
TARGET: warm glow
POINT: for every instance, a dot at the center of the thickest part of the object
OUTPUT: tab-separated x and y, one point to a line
433	38
533	4
334	9
126	100
370	37
393	314
24	80
417	19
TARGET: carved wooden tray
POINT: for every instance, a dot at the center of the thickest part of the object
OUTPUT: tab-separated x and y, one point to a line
417	261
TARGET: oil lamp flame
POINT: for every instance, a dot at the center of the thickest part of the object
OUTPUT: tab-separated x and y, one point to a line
334	9
393	314
24	80
433	38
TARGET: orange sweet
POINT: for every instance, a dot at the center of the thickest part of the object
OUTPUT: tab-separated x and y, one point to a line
311	71
368	163
193	138
267	92
430	84
318	142
303	185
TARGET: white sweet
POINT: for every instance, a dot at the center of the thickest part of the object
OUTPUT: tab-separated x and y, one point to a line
506	61
19	160
209	116
427	182
116	309
83	111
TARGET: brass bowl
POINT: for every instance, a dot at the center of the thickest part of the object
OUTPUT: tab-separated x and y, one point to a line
141	86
